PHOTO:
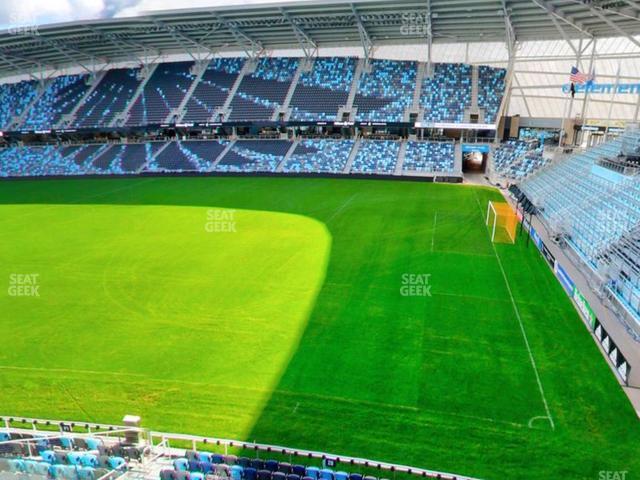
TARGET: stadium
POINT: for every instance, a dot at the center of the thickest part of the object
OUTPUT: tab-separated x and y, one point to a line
322	240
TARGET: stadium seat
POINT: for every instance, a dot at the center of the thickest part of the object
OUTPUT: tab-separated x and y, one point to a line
313	472
116	463
278	476
326	474
181	464
299	470
271	465
93	443
48	456
250	473
74	458
264	474
237	472
196	476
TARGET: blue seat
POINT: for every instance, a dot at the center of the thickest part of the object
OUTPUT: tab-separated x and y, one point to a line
326	474
73	458
299	470
93	443
86	473
181	464
271	465
341	476
314	472
217	458
244	462
257	464
203	457
196	476
264	474
355	476
48	456
67	443
116	462
206	467
236	472
284	467
89	460
56	471
5	436
250	473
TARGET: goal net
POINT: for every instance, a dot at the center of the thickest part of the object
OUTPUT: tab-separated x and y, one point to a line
502	222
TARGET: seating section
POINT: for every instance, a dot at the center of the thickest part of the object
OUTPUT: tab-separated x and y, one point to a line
14	99
31	161
65	458
254	156
323	90
429	157
59	98
162	93
516	159
213	89
386	91
197	465
596	209
383	93
108	99
319	156
261	93
446	93
188	156
491	85
376	156
126	158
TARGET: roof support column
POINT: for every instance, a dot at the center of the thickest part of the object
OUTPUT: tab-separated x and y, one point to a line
569	110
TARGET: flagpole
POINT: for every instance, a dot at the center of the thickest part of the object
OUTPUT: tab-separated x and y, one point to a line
568	113
585	101
613	95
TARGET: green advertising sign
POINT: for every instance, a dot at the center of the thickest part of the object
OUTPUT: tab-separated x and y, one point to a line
584	307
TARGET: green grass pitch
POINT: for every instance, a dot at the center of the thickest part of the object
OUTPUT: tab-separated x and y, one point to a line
270	309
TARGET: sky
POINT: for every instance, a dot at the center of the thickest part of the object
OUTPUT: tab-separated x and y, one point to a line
25	13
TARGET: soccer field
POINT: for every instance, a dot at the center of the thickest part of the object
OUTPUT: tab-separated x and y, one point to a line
360	317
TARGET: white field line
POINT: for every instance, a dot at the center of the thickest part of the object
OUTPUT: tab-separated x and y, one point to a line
433	232
341	208
522	329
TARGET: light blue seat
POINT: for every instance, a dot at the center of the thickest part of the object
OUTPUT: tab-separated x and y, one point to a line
17	465
341	476
116	463
196	476
181	464
326	474
86	473
203	457
93	443
313	472
89	460
48	456
56	471
73	458
236	472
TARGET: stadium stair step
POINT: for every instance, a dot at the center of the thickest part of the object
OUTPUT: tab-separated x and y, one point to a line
215	163
180	112
352	156
474	87
401	156
144	166
352	92
304	66
292	149
122	117
70	117
248	67
17	122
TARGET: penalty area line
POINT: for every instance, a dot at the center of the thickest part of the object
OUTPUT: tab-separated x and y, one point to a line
522	329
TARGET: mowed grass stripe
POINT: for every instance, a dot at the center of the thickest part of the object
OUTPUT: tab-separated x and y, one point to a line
442	382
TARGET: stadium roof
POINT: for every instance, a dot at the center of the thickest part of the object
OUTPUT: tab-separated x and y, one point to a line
309	25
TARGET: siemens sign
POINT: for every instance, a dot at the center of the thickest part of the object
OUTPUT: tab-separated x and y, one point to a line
632	88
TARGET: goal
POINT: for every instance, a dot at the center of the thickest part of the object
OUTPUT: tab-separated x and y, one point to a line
502	222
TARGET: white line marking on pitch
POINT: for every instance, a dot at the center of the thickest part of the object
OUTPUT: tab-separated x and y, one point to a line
295	409
524	333
342	207
433	232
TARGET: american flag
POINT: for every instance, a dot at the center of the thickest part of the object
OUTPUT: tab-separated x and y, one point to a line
578	77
